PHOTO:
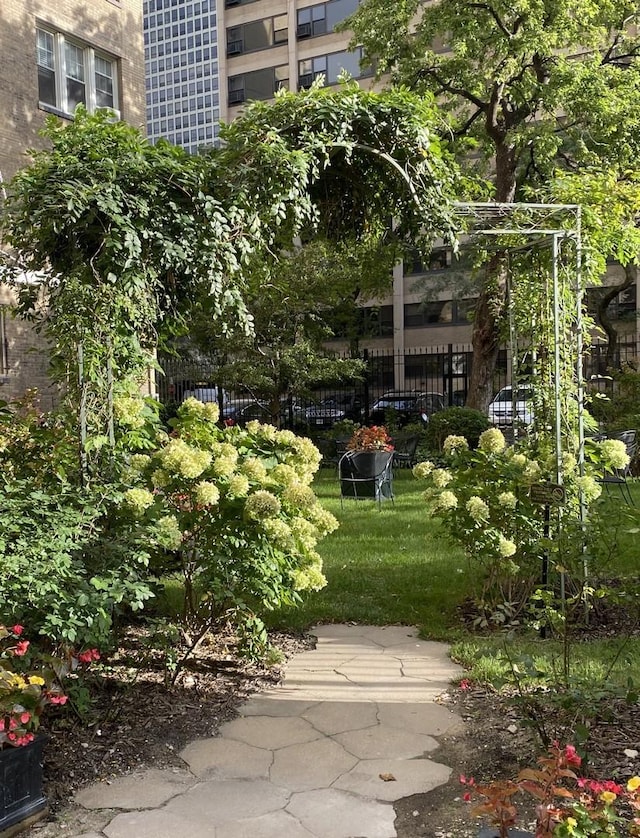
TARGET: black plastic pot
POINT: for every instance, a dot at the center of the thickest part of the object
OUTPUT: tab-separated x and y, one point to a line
21	795
366	474
491	832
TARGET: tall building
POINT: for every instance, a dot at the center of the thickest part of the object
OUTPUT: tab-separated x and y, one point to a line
204	63
57	54
182	72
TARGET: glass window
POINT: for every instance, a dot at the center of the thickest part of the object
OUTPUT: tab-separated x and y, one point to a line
70	74
104	83
74	70
338	10
280	30
46	68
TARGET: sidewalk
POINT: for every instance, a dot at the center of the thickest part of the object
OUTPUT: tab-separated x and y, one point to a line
323	755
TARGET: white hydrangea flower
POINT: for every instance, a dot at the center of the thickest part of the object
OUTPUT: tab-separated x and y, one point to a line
477	508
492	441
446	500
441	477
507	500
506	547
614	453
138	499
238	486
207	493
262	504
423	470
254	468
453	444
589	487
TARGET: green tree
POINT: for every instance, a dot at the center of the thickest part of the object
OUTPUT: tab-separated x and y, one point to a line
528	86
295	303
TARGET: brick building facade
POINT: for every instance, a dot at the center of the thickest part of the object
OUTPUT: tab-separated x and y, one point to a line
56	54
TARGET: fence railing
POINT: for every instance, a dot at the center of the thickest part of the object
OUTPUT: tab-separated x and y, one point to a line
434	369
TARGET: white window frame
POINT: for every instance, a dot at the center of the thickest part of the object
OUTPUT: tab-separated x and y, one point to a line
89	55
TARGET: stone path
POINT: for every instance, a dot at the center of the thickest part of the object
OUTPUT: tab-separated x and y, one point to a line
323	755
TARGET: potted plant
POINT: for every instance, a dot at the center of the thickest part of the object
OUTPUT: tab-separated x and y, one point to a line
375	438
26	688
365	468
567	805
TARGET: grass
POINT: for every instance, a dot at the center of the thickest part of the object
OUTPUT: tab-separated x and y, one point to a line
383	566
392	566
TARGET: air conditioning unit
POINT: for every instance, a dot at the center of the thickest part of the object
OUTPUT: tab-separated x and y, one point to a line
235	47
303	30
305	81
236	97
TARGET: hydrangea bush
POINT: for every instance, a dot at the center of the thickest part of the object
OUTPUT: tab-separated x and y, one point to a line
235	512
483	497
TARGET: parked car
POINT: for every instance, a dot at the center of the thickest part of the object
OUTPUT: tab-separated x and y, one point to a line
501	409
204	394
409	406
334	409
241	411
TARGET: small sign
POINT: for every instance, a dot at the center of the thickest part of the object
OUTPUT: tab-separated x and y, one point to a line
547	493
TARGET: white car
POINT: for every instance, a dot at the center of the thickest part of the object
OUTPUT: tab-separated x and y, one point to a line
501	409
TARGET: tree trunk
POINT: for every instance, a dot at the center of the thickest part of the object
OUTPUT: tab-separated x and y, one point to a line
605	321
490	306
485	337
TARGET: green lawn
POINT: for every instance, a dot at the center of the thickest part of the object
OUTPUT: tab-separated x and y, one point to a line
391	565
384	565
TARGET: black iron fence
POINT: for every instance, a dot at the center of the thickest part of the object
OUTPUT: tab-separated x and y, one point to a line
444	370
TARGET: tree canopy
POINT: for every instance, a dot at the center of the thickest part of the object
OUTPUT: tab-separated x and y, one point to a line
529	86
119	233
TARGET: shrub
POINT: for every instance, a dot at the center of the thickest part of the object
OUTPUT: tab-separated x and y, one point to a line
70	561
484	499
239	517
458	421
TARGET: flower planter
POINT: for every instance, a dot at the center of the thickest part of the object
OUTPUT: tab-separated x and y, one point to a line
491	832
21	797
366	474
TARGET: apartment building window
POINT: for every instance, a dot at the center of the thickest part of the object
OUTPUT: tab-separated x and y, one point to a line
258	34
258	84
71	73
438	313
323	17
331	66
439	260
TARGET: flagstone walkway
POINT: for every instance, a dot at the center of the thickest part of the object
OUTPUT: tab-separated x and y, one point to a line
351	729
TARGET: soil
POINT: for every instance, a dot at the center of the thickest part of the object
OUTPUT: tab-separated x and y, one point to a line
134	721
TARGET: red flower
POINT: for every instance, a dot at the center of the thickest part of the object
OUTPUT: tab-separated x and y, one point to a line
17	630
21	648
89	655
571	756
57	698
466	796
25	717
465	684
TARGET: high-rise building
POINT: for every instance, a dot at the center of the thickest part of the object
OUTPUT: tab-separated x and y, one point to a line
182	72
